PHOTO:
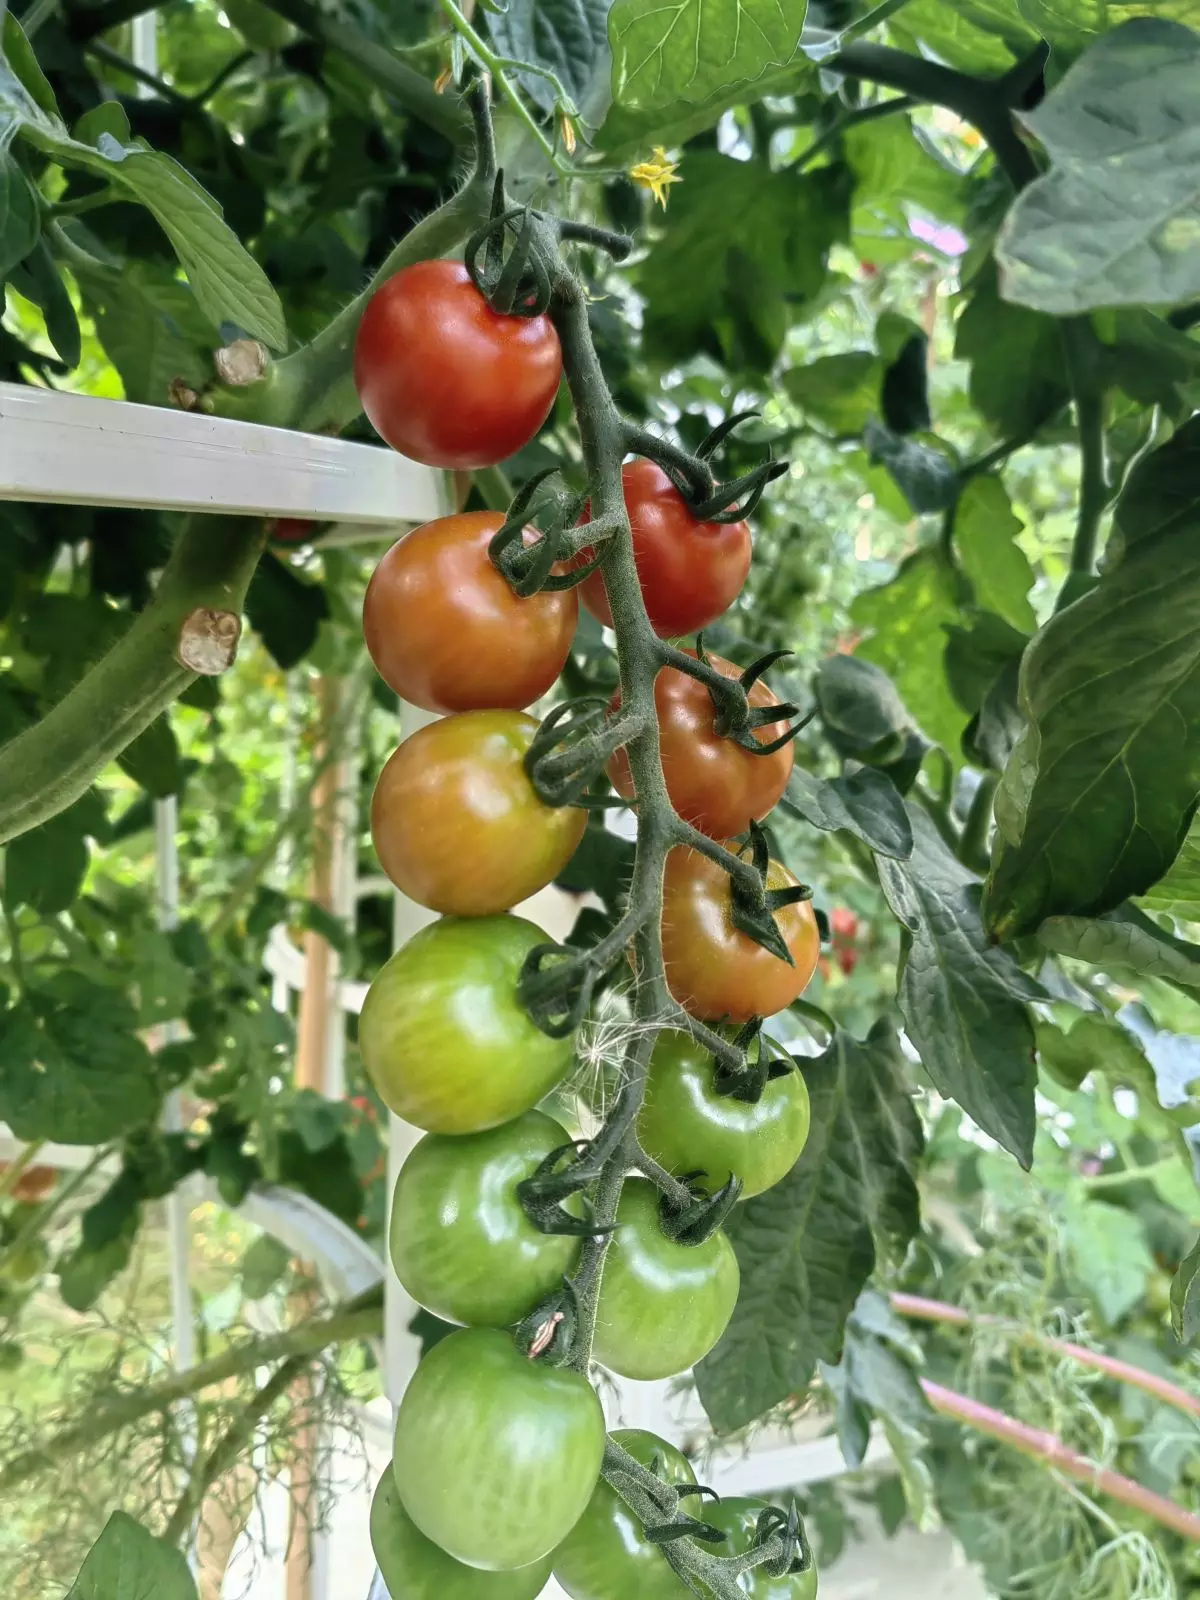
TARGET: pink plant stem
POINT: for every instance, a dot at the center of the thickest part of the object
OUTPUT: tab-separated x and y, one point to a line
1049	1448
919	1309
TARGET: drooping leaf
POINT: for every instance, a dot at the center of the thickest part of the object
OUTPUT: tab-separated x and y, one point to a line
152	759
977	652
75	1070
285	609
904	395
864	803
922	471
1017	379
985	534
1127	940
128	1563
964	1001
807	1246
39	279
1185	1296
862	713
1116	220
568	37
692	48
1100	792
20	215
906	621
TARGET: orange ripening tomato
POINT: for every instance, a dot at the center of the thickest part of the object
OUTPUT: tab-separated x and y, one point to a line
444	378
714	969
690	571
458	826
715	784
446	631
34	1184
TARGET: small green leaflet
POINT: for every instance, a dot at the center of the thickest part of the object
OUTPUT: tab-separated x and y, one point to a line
1109	1249
1100	791
1124	938
20	218
985	534
1116	221
128	1563
807	1246
865	803
964	1001
1185	1296
689	49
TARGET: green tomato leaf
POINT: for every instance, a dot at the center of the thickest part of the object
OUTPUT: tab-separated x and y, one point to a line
45	868
263	1266
1107	1245
286	610
21	78
1116	221
1100	791
152	759
693	48
1179	891
567	37
985	533
861	711
976	36
1126	940
964	1001
1015	354
39	279
151	327
1185	1296
128	1563
20	216
75	1070
923	472
906	621
628	133
841	392
807	1246
865	803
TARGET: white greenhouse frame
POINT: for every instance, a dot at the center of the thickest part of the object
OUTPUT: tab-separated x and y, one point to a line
75	449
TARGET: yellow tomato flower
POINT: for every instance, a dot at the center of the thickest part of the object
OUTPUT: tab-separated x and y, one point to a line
656	174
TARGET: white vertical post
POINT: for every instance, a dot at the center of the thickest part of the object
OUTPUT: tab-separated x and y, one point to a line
144	49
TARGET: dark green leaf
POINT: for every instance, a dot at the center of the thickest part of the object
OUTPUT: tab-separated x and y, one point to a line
328	1176
923	472
127	1563
841	391
1017	377
1154	363
864	803
964	1000
978	653
1127	940
86	1273
152	760
602	865
985	540
430	1330
861	711
906	621
807	1246
318	1121
569	37
1099	794
992	734
21	62
286	610
263	1266
1185	1296
20	216
1114	221
45	868
75	1070
694	49
904	397
38	278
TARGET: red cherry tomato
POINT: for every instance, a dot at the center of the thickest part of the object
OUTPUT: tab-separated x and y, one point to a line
690	571
715	784
458	826
446	631
444	378
843	925
34	1184
713	968
292	530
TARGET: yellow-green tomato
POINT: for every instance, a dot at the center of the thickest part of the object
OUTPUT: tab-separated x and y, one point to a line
662	1305
414	1568
738	1521
461	1243
688	1127
496	1455
607	1556
442	1036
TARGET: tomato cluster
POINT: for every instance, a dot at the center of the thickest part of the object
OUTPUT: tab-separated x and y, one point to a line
496	1477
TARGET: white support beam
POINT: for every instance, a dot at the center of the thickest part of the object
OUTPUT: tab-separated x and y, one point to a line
78	450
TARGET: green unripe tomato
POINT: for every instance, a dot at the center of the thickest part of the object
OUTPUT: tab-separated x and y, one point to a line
414	1568
461	1244
441	1033
687	1126
662	1305
606	1555
738	1520
496	1456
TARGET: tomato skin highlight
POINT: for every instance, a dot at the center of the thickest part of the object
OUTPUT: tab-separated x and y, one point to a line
496	1456
690	571
446	380
737	1520
447	633
414	1568
460	1242
442	1036
606	1556
458	826
714	969
686	1125
713	783
662	1305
